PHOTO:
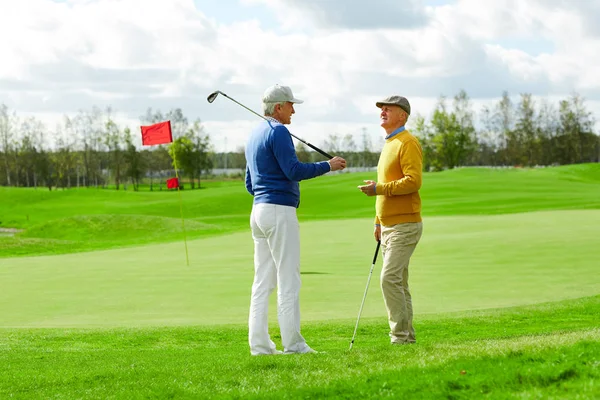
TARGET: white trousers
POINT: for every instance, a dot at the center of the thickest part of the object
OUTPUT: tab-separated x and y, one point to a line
276	235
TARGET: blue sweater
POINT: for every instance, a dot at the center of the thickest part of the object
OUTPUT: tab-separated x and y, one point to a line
272	167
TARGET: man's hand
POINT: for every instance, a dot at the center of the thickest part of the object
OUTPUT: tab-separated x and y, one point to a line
377	233
369	188
337	163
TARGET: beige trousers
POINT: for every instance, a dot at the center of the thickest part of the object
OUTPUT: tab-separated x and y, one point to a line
398	242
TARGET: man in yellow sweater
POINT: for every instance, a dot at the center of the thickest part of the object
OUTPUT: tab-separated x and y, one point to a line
398	223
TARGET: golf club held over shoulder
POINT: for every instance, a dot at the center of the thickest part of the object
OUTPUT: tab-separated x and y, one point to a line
211	97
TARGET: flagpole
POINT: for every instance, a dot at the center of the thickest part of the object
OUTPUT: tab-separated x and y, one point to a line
160	133
187	259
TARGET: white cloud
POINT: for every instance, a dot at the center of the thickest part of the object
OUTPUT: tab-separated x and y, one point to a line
349	14
134	54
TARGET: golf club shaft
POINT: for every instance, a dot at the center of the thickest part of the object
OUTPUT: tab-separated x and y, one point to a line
238	103
315	148
365	295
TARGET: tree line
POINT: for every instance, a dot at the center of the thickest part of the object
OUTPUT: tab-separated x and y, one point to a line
522	134
525	134
92	150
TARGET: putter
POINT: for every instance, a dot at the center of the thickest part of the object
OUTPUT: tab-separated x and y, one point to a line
365	295
211	97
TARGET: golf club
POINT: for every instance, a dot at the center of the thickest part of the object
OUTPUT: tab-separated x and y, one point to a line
211	97
365	295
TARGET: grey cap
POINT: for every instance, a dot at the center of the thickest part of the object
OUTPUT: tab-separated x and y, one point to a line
278	94
395	100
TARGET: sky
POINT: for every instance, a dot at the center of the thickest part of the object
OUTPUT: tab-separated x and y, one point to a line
339	56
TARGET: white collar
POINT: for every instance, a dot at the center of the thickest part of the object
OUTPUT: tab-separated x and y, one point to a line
272	119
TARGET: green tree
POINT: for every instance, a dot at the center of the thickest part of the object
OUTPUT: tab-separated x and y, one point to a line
136	166
90	129
575	132
238	159
181	152
504	125
487	140
424	133
6	139
366	148
201	156
547	127
31	134
349	150
453	137
526	146
333	144
114	140
302	152
64	158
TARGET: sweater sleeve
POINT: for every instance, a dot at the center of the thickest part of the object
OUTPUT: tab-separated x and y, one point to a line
249	181
284	152
411	162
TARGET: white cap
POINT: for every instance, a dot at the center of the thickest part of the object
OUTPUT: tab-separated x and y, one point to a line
278	94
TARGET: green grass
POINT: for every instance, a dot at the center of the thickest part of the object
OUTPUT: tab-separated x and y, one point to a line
544	351
96	300
462	263
100	219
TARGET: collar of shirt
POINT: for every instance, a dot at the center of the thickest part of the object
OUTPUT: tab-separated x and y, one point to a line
397	131
272	119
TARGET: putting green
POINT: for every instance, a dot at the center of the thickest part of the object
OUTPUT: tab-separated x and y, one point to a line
462	263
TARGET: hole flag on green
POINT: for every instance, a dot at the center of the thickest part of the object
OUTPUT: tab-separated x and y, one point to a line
172	183
159	133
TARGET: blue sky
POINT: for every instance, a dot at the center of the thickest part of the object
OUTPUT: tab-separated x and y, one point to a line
532	46
340	56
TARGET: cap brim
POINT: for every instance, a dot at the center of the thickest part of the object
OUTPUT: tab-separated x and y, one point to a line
296	101
380	104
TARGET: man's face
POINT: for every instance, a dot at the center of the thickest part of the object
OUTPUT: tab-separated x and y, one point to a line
392	117
285	113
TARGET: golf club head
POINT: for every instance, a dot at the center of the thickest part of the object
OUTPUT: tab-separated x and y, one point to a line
211	97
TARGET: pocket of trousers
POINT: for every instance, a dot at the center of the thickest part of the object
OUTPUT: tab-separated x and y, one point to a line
407	233
264	217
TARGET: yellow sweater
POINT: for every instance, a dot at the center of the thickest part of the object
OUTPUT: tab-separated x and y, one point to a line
399	177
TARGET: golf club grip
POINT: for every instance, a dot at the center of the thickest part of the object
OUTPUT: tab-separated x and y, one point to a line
329	156
376	251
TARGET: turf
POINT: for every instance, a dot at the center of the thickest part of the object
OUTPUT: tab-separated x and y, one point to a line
543	351
462	263
65	221
97	301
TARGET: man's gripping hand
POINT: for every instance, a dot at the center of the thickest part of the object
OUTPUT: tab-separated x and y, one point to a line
337	163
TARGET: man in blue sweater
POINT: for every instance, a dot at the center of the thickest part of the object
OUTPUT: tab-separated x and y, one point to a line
273	173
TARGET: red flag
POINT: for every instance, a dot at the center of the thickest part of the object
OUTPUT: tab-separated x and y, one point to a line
172	183
157	134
